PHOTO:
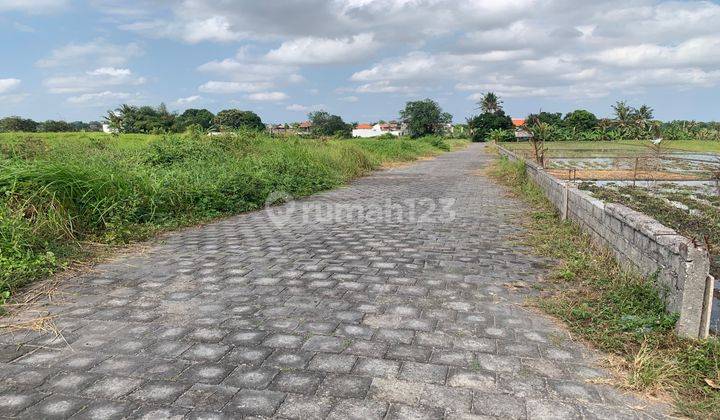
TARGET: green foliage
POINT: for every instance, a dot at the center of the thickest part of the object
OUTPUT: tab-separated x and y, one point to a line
143	119
424	118
59	191
498	135
200	117
581	120
326	125
550	118
17	124
481	125
236	119
490	103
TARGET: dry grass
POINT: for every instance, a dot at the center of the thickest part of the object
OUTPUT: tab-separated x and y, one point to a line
621	175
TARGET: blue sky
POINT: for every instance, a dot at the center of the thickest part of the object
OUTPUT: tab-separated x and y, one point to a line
361	59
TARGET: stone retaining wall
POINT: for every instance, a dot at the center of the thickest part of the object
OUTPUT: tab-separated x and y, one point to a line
641	243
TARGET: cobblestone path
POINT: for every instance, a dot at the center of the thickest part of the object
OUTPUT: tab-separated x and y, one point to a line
394	317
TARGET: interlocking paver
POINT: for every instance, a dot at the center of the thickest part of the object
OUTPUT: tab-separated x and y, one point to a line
397	316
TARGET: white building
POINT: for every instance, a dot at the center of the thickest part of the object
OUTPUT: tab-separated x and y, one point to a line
367	130
107	129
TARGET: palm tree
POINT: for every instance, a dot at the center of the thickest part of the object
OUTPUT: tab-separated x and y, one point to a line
623	112
490	103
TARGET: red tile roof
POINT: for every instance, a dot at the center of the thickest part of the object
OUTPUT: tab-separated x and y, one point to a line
364	126
305	124
517	122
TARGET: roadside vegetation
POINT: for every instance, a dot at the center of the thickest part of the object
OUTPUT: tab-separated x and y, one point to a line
615	310
63	194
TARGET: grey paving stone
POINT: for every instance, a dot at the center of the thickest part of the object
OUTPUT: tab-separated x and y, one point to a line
208	373
206	397
112	387
380	368
499	405
158	392
12	403
416	412
297	382
56	407
251	378
345	386
423	372
358	410
324	343
106	410
250	402
303	407
333	363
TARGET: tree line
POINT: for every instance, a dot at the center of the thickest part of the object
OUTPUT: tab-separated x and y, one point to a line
15	123
626	123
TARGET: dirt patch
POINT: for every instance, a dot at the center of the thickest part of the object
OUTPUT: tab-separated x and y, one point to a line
620	175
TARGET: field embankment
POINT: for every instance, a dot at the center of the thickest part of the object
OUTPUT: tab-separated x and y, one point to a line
60	194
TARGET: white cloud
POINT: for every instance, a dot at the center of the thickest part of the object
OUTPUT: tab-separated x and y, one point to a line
701	51
6	85
267	96
304	108
214	86
187	100
312	50
93	80
97	52
32	7
100	98
212	28
349	98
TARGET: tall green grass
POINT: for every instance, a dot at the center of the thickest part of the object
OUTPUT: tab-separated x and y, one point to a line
59	192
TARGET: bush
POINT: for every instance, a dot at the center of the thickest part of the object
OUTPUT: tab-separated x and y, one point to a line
481	125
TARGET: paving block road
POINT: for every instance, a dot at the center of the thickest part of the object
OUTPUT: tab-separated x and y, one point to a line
399	295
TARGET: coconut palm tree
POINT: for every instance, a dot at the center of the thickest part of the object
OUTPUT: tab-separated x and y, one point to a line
490	103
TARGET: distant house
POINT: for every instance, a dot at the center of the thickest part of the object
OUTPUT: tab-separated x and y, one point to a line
277	128
366	130
304	128
521	133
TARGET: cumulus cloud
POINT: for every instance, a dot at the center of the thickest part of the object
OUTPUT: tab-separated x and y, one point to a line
267	96
32	7
187	100
304	108
93	80
100	98
214	86
312	50
212	28
6	85
97	52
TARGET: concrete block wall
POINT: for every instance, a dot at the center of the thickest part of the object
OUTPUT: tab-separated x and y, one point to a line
640	243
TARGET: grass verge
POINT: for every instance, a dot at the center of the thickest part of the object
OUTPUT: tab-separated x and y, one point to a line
60	195
615	310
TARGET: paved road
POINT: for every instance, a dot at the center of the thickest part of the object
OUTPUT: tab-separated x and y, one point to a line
331	306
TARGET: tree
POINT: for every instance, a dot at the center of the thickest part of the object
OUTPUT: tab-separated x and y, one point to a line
623	113
52	126
144	119
490	103
235	119
581	120
15	123
325	124
549	118
481	125
201	117
424	118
